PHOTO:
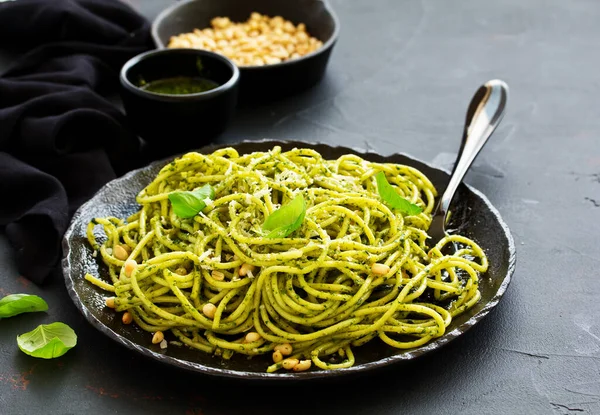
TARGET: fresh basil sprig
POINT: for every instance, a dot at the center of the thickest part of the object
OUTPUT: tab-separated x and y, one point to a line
188	204
389	195
48	341
286	219
15	304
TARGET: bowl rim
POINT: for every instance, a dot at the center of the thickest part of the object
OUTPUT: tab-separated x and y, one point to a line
326	45
131	63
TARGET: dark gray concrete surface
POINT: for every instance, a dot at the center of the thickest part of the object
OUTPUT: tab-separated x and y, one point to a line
400	79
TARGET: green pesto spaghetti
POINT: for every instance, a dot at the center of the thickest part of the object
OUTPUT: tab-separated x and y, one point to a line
345	264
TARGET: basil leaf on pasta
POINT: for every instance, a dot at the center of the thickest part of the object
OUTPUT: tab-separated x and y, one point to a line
15	304
389	195
188	204
286	219
48	341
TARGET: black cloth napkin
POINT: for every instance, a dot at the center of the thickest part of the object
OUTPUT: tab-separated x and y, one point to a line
61	137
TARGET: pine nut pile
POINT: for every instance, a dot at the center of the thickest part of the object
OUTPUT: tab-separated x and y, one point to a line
261	40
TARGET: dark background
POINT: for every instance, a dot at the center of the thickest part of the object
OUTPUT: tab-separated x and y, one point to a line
399	80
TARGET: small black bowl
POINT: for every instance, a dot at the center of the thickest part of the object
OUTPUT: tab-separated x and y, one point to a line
260	83
179	122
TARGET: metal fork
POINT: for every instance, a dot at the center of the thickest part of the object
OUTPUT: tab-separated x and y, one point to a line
483	116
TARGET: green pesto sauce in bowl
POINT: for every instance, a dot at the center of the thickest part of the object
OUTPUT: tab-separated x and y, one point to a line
181	85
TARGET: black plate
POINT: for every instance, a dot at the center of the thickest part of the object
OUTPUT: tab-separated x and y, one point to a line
473	214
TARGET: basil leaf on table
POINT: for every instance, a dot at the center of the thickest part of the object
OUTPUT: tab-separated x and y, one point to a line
15	304
188	204
48	341
286	219
389	195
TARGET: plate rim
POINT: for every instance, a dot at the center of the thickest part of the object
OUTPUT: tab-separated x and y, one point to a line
321	374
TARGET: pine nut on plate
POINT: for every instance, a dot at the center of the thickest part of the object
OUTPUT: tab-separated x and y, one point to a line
158	337
110	302
127	318
302	366
277	356
209	310
120	252
380	269
285	349
252	337
289	363
245	269
130	265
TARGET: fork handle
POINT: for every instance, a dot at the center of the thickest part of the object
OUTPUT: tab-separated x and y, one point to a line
483	116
